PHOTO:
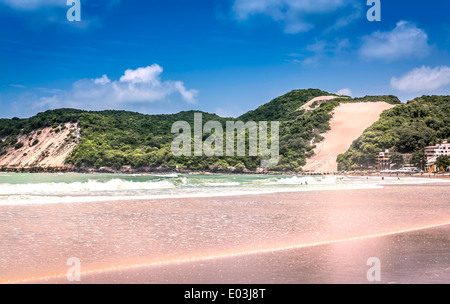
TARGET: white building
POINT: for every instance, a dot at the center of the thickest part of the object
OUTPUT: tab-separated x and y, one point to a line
439	150
443	149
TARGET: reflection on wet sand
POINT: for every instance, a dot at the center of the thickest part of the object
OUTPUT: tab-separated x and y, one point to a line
268	237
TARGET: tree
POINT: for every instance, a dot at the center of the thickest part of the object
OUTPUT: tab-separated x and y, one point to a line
418	159
442	161
397	160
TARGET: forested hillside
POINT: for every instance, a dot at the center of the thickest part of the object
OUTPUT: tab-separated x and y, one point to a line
283	108
118	138
407	128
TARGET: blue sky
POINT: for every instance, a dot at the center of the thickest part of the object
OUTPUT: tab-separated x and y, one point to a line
219	56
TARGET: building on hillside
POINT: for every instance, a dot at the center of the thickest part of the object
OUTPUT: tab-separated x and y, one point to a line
433	152
430	151
443	149
438	150
383	161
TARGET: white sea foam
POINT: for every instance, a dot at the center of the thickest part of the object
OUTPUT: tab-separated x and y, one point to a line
118	189
295	180
203	193
224	184
90	186
173	175
309	180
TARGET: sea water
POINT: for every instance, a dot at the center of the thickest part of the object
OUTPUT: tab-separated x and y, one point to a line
45	188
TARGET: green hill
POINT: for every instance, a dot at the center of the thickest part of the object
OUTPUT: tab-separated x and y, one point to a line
119	138
283	108
407	128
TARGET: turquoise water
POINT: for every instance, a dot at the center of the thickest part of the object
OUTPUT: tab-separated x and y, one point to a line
28	188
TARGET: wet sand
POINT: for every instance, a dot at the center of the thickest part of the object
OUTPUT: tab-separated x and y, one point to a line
419	257
303	237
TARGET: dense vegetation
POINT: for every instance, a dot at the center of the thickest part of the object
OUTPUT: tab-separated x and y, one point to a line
118	138
114	138
443	162
283	108
17	126
375	98
407	128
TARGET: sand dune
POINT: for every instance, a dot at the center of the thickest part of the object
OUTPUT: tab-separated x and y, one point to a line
350	120
50	152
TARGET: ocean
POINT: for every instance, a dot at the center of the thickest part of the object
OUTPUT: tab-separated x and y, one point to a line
46	188
151	228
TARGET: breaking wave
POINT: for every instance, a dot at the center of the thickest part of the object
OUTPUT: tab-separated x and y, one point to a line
42	189
77	188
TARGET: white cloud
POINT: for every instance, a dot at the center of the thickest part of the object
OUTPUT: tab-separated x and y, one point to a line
423	79
18	86
404	41
188	95
321	51
142	85
296	15
148	74
345	92
103	80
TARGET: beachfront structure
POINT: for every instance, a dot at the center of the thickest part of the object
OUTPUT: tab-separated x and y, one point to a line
383	161
433	152
430	164
443	149
432	168
438	150
430	151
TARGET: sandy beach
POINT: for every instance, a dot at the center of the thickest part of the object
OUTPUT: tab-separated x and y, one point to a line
415	257
297	237
233	142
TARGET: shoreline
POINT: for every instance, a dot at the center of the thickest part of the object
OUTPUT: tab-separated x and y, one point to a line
361	184
71	169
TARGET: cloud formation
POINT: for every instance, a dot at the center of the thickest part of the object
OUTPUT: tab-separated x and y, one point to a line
321	51
405	41
296	15
423	79
142	85
345	92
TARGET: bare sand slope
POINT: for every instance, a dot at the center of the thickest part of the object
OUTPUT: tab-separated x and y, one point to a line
50	152
349	121
309	106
